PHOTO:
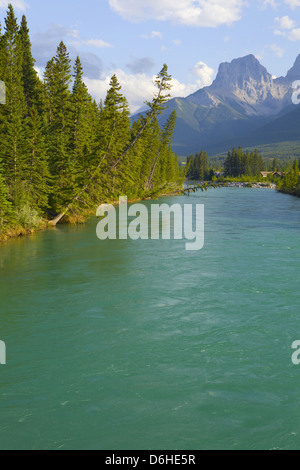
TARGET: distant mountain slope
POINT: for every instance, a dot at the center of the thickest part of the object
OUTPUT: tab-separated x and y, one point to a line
206	128
285	128
243	106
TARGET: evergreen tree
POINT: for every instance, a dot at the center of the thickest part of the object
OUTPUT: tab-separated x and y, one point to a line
37	174
275	165
63	153
5	204
29	73
12	144
165	145
190	166
84	122
106	157
204	166
114	137
58	100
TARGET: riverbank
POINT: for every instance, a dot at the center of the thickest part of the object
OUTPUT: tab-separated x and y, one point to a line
293	192
251	185
76	219
16	231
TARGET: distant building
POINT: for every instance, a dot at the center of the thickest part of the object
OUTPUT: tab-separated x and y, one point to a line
277	174
265	174
219	174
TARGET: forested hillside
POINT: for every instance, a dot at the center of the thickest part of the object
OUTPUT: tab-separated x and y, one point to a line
61	153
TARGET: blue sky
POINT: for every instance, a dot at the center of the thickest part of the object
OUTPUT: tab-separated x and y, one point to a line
133	38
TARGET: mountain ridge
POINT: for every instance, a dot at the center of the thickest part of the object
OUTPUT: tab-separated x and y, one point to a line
236	107
246	85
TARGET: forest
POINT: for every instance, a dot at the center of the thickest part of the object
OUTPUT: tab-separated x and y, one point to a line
61	153
198	167
239	163
290	184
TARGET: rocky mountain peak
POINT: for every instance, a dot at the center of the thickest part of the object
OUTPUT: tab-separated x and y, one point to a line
294	72
245	85
241	70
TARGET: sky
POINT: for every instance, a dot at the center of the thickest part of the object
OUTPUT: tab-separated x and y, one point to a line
134	38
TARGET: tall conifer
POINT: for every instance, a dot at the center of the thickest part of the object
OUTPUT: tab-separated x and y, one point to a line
29	74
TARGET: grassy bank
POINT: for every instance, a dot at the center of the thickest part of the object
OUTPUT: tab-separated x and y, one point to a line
28	221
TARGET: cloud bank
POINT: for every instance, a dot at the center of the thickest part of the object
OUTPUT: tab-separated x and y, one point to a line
139	87
199	13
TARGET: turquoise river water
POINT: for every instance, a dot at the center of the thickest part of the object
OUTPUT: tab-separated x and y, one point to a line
135	345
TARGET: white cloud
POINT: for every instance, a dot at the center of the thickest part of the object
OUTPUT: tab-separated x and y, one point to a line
140	87
287	28
277	32
136	87
153	35
156	34
277	50
271	3
98	43
44	47
204	74
177	42
293	3
294	35
18	4
285	22
201	13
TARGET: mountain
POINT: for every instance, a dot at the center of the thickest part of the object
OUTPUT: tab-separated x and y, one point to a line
285	128
206	127
246	86
243	104
294	73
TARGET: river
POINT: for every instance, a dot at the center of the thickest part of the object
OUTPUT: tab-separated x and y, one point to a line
122	345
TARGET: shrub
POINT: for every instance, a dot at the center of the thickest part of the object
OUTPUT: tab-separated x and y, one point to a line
28	218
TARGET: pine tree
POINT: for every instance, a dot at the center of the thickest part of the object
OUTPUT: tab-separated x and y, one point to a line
5	204
37	174
275	165
114	135
2	54
2	83
12	143
29	73
165	143
58	101
49	91
84	121
190	166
